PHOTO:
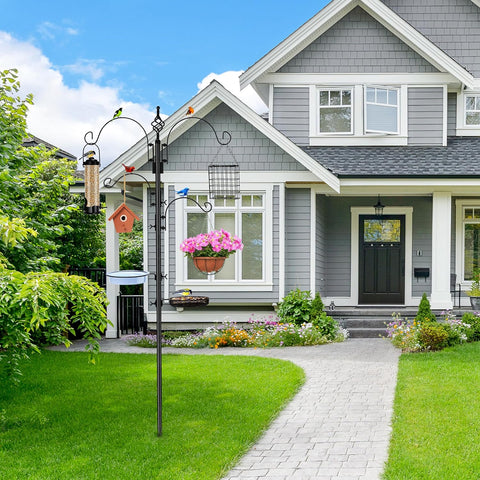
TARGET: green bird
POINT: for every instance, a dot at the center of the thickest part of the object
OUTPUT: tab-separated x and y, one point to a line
117	113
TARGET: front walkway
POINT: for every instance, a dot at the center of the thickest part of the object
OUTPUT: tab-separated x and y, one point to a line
336	427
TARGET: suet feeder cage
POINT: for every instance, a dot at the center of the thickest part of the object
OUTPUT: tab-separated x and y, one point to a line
92	186
224	181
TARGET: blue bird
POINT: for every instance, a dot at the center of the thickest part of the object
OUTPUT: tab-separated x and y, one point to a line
184	192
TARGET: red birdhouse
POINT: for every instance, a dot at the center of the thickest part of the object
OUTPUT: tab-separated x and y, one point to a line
123	219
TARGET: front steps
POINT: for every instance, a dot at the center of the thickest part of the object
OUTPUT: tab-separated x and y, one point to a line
368	322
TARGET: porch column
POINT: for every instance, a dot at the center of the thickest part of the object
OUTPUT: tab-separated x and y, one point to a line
441	250
113	264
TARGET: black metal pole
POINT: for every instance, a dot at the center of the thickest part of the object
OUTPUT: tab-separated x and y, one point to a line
158	168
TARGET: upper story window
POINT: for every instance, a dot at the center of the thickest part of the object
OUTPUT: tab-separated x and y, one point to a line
472	110
335	110
381	110
358	111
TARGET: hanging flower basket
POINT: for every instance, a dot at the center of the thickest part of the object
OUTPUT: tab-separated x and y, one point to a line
209	250
209	265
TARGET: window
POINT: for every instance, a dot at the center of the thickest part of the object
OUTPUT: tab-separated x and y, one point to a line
381	110
335	111
472	110
243	217
471	235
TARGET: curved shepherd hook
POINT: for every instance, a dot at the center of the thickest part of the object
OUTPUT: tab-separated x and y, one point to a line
94	142
226	136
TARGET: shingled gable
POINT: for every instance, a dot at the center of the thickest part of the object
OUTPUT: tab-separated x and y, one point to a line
203	103
330	15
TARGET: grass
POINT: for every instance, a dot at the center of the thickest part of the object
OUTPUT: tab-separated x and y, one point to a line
72	420
436	429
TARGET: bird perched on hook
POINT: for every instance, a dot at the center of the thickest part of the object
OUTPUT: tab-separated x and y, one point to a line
128	169
117	113
190	110
183	192
88	154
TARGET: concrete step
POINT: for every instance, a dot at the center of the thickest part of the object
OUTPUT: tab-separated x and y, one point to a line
367	332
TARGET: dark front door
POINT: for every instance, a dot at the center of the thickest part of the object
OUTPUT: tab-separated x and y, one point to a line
382	260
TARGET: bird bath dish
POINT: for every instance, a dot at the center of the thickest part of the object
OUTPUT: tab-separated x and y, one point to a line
128	277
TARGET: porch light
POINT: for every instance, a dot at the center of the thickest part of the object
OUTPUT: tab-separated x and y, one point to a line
92	187
379	208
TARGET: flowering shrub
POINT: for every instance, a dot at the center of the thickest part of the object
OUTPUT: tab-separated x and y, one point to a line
139	340
416	336
218	243
263	332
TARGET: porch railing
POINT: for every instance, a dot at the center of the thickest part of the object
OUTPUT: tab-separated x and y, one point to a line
130	317
98	275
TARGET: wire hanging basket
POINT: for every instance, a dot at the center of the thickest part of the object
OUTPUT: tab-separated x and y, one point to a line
224	177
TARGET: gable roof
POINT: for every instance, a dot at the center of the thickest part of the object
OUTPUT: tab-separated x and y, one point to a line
460	158
331	14
203	103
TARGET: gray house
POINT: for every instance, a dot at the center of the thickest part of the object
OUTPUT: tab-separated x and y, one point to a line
370	103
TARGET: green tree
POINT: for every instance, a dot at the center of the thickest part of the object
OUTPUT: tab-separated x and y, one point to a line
35	215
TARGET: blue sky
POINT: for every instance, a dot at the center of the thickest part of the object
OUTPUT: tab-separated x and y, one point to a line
82	60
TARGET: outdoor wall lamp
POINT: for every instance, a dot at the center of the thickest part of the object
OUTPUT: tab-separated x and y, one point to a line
157	154
379	208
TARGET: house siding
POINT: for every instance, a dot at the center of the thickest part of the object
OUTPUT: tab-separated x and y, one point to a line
297	239
452	115
425	116
320	245
197	148
357	44
452	25
291	113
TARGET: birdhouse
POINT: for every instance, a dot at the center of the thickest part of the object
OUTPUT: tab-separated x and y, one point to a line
123	219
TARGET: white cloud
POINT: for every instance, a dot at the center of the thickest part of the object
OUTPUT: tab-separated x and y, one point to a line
50	30
230	81
61	115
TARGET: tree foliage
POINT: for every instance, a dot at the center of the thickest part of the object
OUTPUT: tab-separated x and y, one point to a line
37	215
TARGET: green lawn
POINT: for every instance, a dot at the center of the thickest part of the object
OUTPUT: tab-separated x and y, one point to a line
436	430
72	420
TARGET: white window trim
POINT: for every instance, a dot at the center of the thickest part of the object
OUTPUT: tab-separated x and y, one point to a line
319	108
358	137
460	205
397	106
462	128
228	285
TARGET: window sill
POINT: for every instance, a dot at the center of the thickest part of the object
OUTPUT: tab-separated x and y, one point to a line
207	286
360	140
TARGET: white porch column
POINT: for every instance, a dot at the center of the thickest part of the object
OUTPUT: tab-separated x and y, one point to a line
112	263
441	250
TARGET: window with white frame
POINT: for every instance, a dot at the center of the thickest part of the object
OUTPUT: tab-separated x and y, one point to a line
243	217
335	110
381	110
472	110
471	241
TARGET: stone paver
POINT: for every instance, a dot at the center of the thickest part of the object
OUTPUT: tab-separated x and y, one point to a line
336	427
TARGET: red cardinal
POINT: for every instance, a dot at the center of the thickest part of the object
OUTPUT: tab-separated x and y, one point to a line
128	169
190	111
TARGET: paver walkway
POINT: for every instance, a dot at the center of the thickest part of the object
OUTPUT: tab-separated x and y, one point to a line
336	427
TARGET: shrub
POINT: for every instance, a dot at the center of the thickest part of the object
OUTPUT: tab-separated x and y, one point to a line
296	307
424	311
472	319
433	336
327	326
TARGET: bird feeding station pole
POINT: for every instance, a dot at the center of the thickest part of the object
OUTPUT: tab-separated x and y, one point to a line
159	157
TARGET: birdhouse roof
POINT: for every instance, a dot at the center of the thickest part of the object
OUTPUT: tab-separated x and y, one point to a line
121	210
